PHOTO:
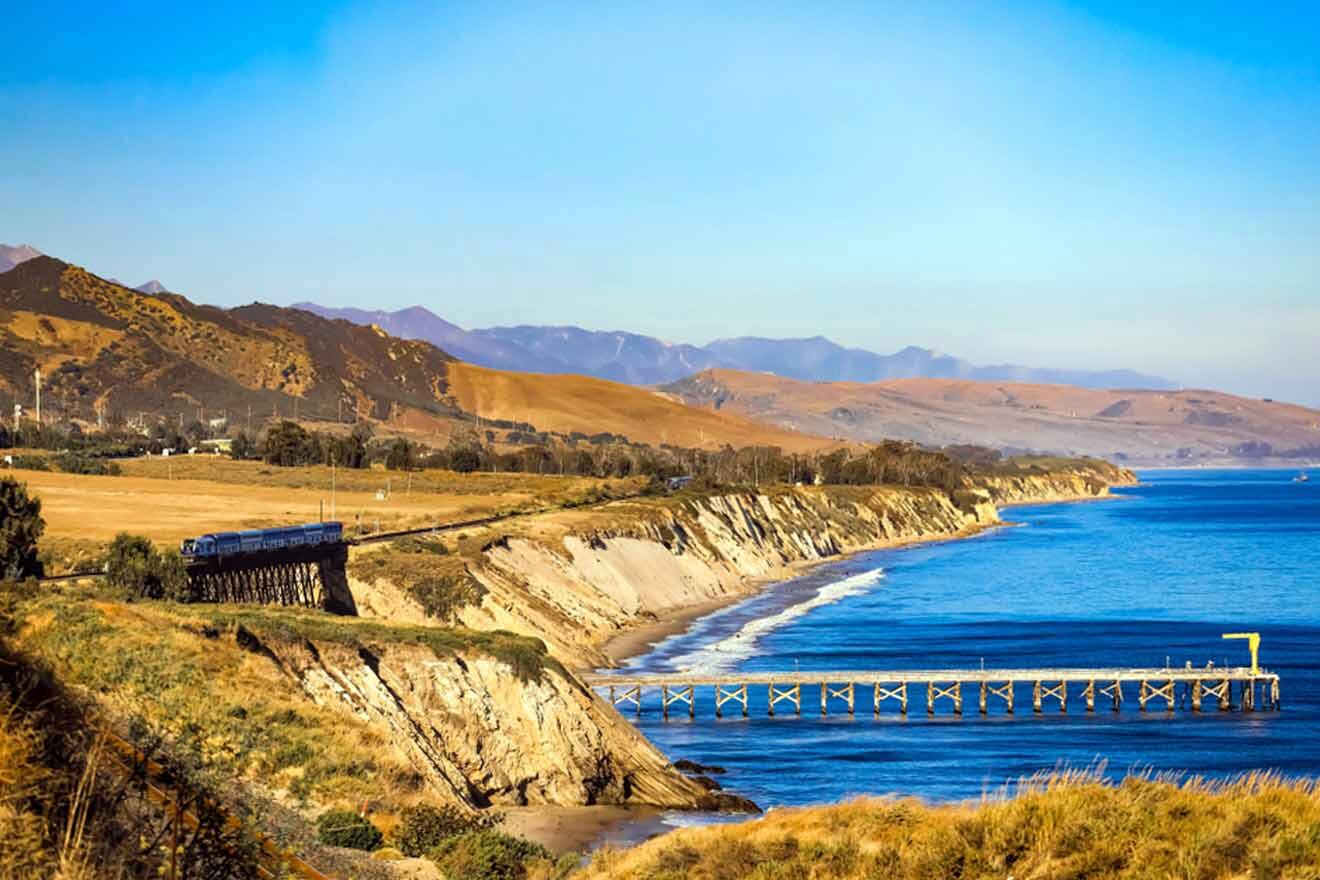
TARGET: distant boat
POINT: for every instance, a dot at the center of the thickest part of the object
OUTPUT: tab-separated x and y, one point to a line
1303	477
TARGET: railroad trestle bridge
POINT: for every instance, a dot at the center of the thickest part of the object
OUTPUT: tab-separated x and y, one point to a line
310	576
1244	688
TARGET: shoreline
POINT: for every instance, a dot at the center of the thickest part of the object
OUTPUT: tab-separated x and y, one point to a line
564	829
639	639
636	641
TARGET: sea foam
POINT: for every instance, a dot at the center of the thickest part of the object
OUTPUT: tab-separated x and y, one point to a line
728	652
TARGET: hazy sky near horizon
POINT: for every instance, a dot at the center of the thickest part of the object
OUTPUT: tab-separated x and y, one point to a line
1084	184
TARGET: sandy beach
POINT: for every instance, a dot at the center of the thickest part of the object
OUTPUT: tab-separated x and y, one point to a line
579	829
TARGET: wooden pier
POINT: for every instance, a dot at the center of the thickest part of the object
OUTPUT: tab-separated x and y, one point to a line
1243	688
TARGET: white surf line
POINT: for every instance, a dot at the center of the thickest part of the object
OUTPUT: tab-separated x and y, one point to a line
728	652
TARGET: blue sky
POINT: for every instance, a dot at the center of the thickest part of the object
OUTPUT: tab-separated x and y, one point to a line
1063	184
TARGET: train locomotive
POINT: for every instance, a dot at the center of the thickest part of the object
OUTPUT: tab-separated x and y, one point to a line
260	540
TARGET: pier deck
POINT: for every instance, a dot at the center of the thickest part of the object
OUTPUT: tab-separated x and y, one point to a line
1050	687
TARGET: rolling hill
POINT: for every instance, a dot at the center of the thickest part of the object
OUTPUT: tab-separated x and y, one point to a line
568	404
1138	427
102	345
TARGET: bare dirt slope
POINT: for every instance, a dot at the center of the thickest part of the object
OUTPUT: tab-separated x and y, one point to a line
1149	427
578	403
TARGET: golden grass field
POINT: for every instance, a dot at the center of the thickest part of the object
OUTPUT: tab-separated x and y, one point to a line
1065	826
170	499
578	403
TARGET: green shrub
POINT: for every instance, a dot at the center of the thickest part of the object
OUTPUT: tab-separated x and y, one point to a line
486	855
21	526
77	463
441	596
424	827
133	564
347	829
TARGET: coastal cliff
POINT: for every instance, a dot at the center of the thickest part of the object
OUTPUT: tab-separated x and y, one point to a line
577	579
479	734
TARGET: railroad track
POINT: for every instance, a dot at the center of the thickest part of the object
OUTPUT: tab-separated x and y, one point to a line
72	576
380	537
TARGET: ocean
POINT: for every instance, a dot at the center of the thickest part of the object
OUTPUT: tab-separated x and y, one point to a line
1153	577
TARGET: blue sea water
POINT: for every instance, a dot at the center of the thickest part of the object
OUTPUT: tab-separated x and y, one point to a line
1154	576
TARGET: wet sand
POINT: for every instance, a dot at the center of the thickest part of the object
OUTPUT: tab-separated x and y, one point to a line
581	829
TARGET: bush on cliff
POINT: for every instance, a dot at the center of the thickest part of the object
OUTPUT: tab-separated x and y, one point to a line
347	829
424	827
487	855
133	564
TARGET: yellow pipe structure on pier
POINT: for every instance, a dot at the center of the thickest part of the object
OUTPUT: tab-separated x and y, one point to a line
1253	645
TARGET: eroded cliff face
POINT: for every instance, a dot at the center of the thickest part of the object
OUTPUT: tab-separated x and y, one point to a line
1064	485
479	735
581	587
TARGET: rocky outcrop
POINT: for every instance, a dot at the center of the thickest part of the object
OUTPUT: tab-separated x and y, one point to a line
477	734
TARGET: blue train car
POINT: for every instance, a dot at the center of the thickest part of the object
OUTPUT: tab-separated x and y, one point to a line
260	540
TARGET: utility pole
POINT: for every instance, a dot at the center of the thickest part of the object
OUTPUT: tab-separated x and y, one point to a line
332	488
37	375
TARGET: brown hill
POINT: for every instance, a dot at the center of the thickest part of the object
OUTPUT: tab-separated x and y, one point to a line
566	404
1145	427
100	344
103	346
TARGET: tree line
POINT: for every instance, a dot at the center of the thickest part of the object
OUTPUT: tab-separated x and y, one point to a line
288	444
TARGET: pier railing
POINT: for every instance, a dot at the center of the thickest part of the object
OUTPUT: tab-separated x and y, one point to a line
1244	688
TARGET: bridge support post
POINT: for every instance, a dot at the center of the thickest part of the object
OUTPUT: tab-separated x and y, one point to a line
983	706
1089	693
1035	698
1196	695
930	698
723	695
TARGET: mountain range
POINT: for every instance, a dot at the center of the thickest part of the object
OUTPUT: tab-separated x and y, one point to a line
103	347
645	360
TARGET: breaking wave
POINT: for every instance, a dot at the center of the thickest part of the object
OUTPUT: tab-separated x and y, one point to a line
728	652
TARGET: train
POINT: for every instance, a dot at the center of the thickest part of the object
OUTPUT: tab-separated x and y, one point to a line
261	540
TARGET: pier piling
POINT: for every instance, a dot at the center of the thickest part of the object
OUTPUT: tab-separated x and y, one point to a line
1258	690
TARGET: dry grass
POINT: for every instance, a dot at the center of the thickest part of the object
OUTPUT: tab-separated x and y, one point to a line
23	780
1064	825
170	499
190	681
565	404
